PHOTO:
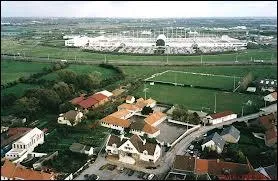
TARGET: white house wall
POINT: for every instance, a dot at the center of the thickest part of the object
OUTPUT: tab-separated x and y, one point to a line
223	119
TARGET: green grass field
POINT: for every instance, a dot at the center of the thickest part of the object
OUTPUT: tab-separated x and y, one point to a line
196	79
13	70
257	70
195	99
18	89
36	49
83	69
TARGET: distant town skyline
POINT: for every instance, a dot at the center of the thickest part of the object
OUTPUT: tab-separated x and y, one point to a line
139	9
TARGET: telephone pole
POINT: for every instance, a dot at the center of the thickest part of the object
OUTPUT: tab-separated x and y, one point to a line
214	102
201	59
234	83
167	57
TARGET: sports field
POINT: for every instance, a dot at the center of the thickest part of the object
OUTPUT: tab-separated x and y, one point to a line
13	70
83	69
262	71
201	99
196	79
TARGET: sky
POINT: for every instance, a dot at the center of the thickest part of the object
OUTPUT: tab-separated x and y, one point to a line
139	9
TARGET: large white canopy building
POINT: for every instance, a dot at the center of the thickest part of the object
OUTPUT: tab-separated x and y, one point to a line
149	43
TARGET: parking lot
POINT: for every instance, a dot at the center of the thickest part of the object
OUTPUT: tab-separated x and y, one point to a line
169	132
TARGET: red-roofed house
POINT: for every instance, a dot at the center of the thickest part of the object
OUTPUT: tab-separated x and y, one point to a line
78	99
88	103
11	171
271	97
271	136
249	176
101	98
221	117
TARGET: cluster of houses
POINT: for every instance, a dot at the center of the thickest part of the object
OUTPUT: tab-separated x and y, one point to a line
186	165
269	122
216	142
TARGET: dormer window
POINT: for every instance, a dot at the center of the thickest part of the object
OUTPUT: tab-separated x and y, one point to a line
145	152
114	145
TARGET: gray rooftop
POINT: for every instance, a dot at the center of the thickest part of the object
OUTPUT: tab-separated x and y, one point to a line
217	139
232	131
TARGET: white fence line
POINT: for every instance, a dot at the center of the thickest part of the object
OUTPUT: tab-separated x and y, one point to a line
182	123
185	134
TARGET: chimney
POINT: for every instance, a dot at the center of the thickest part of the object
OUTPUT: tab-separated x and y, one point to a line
121	137
144	141
75	108
217	160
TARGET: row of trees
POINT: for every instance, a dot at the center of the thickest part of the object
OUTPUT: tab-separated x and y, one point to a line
181	113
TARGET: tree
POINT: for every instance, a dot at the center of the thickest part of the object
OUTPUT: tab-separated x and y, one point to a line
63	90
27	107
147	110
194	118
180	113
65	107
67	76
88	82
8	100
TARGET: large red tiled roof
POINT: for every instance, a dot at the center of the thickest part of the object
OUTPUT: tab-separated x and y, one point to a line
13	171
249	176
116	121
217	167
15	131
153	118
77	99
88	102
221	114
99	97
267	120
271	134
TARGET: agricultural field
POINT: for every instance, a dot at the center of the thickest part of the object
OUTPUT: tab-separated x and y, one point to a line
197	79
201	99
266	71
13	70
83	69
18	89
37	48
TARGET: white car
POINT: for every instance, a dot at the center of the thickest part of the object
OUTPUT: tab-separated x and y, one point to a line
191	147
150	176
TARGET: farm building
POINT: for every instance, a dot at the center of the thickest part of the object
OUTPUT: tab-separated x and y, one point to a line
80	148
221	117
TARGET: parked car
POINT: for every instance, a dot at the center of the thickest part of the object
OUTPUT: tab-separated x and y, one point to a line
93	177
131	172
86	176
150	176
120	169
191	147
140	175
145	176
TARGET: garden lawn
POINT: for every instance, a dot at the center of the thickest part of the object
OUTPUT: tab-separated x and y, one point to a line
196	99
13	70
19	89
83	69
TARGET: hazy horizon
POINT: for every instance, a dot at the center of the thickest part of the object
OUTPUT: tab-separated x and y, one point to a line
139	9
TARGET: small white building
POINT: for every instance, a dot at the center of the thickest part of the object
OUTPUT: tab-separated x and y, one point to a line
130	99
221	117
80	148
271	97
77	41
106	93
132	149
70	118
25	145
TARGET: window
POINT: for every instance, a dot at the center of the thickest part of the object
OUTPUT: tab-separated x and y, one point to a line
21	146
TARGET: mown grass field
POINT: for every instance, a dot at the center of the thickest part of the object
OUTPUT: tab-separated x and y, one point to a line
36	49
195	79
83	69
257	70
196	99
13	70
19	89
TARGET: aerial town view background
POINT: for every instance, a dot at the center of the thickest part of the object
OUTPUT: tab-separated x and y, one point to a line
107	97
